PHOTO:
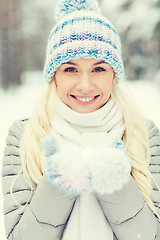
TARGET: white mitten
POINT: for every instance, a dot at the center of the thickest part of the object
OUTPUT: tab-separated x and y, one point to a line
65	166
109	167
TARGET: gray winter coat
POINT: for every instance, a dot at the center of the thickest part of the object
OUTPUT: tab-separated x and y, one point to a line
46	214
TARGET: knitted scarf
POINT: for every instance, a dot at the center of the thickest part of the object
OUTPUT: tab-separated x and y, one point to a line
87	220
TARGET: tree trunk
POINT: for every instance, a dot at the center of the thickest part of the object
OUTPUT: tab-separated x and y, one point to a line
11	62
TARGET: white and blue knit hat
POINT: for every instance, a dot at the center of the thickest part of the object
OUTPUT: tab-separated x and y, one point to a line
81	31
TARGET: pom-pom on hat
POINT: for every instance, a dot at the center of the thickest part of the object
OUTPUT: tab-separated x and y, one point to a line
81	31
68	6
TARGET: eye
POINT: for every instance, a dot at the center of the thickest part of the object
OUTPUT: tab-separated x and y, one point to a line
99	69
70	69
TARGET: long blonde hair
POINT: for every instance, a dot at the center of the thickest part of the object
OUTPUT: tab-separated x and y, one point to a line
135	138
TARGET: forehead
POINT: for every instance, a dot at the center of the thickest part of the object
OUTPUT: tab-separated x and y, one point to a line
82	61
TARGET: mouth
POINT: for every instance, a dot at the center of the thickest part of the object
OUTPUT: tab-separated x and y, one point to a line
85	100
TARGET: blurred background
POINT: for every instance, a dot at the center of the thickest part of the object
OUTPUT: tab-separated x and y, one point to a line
24	30
25	26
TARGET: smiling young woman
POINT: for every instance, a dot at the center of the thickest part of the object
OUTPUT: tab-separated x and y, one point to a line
83	165
84	85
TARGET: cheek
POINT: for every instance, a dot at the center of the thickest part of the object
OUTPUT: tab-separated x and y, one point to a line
62	88
106	86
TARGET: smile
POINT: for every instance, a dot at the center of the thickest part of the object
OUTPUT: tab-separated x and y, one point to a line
85	100
82	99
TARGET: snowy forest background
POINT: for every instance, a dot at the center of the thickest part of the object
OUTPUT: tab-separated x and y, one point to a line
24	30
25	26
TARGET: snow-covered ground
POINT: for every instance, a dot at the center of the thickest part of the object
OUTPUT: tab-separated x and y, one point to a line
17	103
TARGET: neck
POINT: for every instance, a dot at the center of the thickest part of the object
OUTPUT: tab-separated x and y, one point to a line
70	125
93	119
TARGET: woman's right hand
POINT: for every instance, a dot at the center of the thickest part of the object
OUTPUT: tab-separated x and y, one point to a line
65	166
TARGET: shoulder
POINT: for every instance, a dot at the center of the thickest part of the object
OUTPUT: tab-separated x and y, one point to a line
154	138
13	138
154	142
11	163
15	132
153	130
18	127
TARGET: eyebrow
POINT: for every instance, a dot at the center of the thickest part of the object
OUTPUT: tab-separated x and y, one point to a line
71	63
100	62
97	63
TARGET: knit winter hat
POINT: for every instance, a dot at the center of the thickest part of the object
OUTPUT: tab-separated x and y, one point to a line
81	31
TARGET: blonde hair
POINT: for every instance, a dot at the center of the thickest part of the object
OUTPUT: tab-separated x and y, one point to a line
37	127
135	138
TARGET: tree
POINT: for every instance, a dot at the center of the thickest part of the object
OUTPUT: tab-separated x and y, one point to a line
137	22
11	60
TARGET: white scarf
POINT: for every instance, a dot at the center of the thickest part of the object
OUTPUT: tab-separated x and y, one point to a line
87	220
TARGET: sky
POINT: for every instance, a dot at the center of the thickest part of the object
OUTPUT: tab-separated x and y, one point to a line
17	103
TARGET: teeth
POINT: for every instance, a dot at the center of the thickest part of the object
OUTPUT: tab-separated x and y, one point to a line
85	99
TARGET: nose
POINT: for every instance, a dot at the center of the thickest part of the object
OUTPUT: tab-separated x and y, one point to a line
85	84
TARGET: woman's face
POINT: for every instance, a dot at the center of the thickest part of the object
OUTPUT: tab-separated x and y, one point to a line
84	85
